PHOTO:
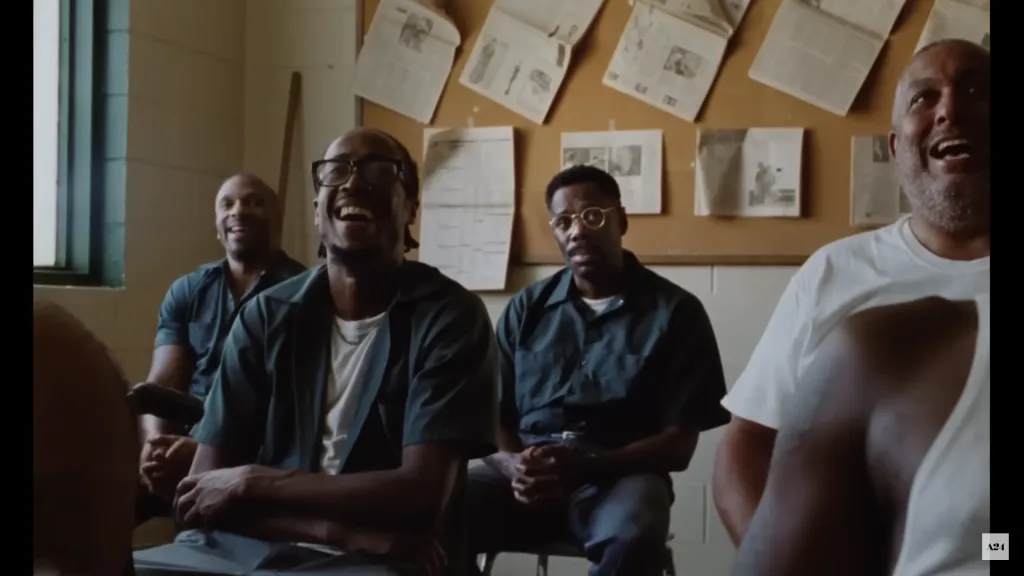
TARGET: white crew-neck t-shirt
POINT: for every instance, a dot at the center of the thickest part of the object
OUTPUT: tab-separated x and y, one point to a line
950	498
877	268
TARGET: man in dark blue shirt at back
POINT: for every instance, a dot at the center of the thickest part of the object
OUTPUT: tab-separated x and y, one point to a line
608	374
194	320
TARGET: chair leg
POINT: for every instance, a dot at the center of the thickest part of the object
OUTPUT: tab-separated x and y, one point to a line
542	565
485	562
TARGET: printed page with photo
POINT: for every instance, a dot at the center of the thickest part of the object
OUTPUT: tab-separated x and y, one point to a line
666	61
749	173
406	58
875	197
632	157
521	65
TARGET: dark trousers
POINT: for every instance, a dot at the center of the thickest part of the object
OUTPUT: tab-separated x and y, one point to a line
149	506
622	525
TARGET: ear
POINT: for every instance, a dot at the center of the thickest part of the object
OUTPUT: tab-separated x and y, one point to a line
316	217
625	221
892	144
411	207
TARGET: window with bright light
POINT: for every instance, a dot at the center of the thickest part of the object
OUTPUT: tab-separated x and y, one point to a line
79	121
46	32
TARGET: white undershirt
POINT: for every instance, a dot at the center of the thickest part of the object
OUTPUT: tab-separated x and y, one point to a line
351	340
599	305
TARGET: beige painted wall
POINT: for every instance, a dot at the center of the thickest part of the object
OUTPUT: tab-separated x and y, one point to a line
207	91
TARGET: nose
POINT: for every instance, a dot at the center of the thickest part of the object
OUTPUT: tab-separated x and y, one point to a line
576	230
948	109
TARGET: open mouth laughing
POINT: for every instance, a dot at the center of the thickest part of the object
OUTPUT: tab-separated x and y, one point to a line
956	154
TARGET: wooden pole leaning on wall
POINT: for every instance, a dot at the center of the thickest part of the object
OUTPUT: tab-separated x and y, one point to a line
294	96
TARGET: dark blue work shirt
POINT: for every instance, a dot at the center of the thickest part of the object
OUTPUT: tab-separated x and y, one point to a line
199	309
431	376
646	362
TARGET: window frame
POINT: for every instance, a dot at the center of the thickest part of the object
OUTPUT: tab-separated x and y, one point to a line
82	256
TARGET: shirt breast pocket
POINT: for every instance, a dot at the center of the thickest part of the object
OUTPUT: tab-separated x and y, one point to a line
612	377
542	377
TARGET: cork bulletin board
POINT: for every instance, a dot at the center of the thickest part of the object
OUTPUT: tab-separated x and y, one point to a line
735	101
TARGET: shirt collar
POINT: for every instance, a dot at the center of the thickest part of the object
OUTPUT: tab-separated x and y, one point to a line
565	289
416	281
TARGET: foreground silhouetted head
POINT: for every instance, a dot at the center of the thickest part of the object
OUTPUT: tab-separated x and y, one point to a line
84	450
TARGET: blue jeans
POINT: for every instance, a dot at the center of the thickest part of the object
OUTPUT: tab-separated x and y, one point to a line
621	525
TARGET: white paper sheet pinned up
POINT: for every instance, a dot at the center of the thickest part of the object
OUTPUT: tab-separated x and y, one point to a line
468	204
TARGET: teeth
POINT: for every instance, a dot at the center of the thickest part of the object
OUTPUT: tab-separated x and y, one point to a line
954	142
353	211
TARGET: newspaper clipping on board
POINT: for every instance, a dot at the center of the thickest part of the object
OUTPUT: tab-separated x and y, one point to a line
523	52
749	173
407	57
875	196
963	19
632	157
671	50
821	51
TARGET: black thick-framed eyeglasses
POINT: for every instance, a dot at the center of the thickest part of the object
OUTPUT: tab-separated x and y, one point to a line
593	218
336	172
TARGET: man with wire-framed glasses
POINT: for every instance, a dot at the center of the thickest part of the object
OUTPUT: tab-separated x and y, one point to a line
348	400
608	373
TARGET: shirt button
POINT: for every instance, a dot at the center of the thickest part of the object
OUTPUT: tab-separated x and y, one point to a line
583	363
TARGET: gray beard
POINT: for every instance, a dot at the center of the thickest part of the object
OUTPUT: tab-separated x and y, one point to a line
956	208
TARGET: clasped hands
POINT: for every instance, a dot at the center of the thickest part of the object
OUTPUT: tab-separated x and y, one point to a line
211	499
544	473
165	460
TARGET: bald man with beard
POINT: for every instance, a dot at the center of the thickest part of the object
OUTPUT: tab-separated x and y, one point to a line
940	140
194	320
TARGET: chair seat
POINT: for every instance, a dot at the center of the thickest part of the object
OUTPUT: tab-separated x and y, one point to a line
569	549
562	548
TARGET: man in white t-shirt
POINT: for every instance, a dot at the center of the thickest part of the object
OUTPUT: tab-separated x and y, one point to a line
940	140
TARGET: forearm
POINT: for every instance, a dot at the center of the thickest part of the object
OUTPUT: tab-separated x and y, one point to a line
669	451
737	486
285	528
152	426
387	499
506	458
